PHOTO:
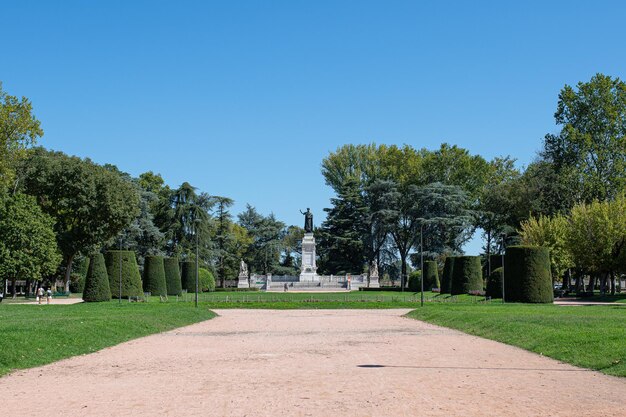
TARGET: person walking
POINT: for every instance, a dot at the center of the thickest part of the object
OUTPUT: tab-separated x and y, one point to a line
48	296
39	294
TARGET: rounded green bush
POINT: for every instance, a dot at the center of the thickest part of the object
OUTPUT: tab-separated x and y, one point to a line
527	276
446	276
154	276
494	284
431	275
97	281
207	280
131	279
172	276
467	275
188	276
415	281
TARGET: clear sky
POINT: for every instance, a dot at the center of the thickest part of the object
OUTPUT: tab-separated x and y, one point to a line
245	98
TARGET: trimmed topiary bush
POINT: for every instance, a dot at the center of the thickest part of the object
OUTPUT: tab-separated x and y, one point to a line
131	279
467	275
494	284
188	276
446	276
154	276
172	276
207	280
527	276
414	281
431	275
97	281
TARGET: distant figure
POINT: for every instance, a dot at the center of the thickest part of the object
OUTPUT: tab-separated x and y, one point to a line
39	294
48	296
1	296
286	287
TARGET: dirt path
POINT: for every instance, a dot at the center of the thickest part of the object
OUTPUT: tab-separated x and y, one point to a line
311	363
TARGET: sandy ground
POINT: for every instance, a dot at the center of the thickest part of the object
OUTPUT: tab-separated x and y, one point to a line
54	301
311	363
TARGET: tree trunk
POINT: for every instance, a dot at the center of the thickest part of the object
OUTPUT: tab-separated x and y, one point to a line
488	253
403	277
13	291
592	282
567	280
68	272
603	283
612	283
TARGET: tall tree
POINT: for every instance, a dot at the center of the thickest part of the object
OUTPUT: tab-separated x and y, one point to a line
18	129
266	234
28	248
223	237
89	203
592	139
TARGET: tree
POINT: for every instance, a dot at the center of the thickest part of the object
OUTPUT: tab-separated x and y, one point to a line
97	286
89	203
266	234
28	248
223	238
342	233
549	232
18	129
592	139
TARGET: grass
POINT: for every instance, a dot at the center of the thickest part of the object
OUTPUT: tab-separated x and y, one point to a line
36	335
591	337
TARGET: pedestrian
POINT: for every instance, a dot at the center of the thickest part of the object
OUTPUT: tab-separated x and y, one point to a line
48	296
286	288
39	294
1	296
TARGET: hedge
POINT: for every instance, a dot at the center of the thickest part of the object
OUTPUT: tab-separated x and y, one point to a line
172	276
414	281
253	289
154	276
467	275
207	281
431	275
97	286
527	276
131	279
494	284
446	276
188	276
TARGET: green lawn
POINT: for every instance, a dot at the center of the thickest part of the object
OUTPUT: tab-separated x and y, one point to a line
32	335
591	337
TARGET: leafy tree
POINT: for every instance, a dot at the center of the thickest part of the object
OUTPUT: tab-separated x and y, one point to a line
223	239
549	232
206	280
89	203
592	139
292	250
266	234
18	129
28	248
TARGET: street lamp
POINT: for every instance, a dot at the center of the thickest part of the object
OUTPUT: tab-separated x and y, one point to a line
503	236
422	261
119	295
197	269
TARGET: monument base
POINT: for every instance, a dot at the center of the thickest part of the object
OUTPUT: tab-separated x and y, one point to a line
243	282
309	277
374	283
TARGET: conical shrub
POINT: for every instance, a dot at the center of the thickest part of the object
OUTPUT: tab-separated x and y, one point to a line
131	279
467	275
97	286
527	276
431	275
446	276
172	276
188	276
154	276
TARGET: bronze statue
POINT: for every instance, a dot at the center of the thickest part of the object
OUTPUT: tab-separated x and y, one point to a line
308	221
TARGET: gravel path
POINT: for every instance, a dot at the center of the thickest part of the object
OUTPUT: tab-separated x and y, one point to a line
311	363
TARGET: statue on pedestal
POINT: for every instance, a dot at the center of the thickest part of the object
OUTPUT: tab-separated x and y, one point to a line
243	269
374	269
308	220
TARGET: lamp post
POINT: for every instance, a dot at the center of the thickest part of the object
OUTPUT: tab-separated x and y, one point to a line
422	262
503	236
119	295
197	269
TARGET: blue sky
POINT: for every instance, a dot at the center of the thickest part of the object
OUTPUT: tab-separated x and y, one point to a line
245	98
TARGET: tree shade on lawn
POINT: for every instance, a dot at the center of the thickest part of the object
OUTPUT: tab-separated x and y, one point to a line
527	277
97	287
131	279
466	275
172	276
154	276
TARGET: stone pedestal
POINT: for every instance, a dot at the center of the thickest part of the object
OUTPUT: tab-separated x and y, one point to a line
308	268
374	283
243	282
